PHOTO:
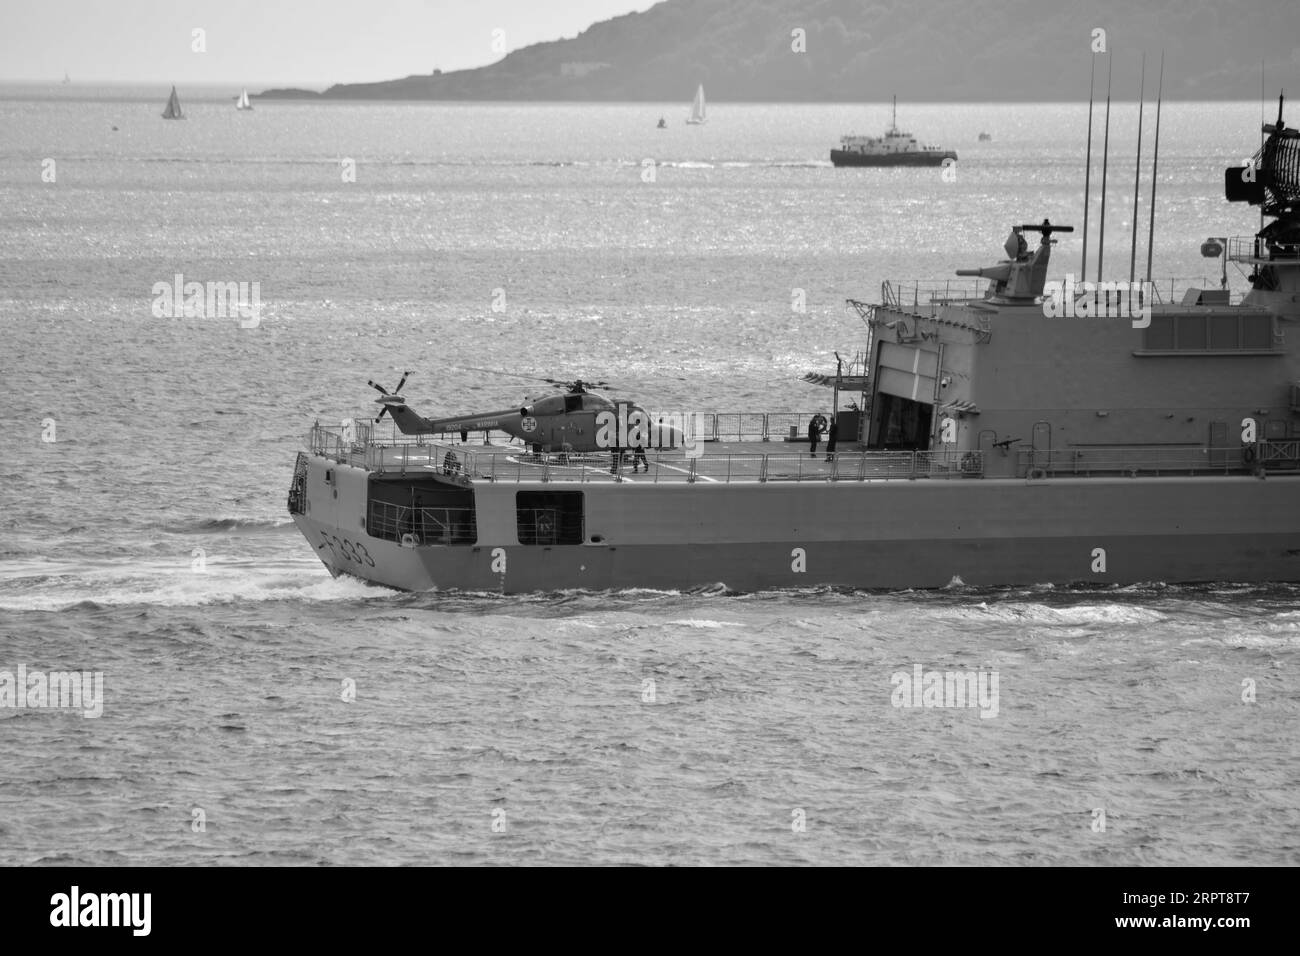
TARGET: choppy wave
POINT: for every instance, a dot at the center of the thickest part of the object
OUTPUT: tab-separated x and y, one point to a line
210	525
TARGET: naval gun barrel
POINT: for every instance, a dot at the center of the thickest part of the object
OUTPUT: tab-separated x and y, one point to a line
1001	272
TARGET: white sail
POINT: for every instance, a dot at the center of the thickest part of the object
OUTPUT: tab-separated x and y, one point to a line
243	103
173	110
697	108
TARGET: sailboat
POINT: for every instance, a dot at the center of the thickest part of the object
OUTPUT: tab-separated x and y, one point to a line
243	103
66	79
697	108
173	110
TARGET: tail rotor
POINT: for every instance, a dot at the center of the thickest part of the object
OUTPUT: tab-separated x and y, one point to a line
388	399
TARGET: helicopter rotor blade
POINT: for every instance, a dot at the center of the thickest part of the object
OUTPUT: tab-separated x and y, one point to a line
377	386
405	376
495	371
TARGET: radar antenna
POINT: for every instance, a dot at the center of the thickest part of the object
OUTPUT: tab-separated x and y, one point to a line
1046	228
1272	178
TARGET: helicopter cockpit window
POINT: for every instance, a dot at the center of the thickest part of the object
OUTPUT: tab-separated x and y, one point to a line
573	403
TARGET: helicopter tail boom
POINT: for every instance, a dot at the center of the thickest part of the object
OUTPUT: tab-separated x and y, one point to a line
407	421
474	423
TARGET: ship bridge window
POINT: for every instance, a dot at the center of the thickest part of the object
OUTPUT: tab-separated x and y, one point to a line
549	517
1208	334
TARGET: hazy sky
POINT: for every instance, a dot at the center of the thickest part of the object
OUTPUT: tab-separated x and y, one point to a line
261	42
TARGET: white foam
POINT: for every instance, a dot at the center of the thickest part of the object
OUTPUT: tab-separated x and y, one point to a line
1078	615
193	589
706	624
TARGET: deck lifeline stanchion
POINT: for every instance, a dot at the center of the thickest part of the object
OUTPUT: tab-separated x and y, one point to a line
417	457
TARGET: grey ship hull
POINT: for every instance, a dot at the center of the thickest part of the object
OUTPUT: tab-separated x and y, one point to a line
879	534
844	157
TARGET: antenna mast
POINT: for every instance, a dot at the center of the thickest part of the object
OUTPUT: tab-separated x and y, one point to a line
1155	165
1137	176
1262	121
1087	173
1105	156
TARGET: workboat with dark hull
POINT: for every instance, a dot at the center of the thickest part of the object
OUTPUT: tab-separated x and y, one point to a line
1010	436
895	148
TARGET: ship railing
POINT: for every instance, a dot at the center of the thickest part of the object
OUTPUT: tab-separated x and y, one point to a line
662	468
757	426
355	440
298	486
1250	248
926	297
1137	461
414	526
1171	291
549	526
401	453
712	426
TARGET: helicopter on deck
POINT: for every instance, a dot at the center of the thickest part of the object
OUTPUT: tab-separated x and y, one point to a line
576	420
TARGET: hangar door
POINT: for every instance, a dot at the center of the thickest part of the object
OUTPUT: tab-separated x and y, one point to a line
903	409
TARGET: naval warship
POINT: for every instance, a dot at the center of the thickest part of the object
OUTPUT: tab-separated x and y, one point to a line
895	148
1016	433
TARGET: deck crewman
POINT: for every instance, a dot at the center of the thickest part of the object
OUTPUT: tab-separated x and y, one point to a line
815	426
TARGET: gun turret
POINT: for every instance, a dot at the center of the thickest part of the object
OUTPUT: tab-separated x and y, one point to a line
1020	278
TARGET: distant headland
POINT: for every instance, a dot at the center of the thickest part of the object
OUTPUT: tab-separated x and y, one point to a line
841	51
